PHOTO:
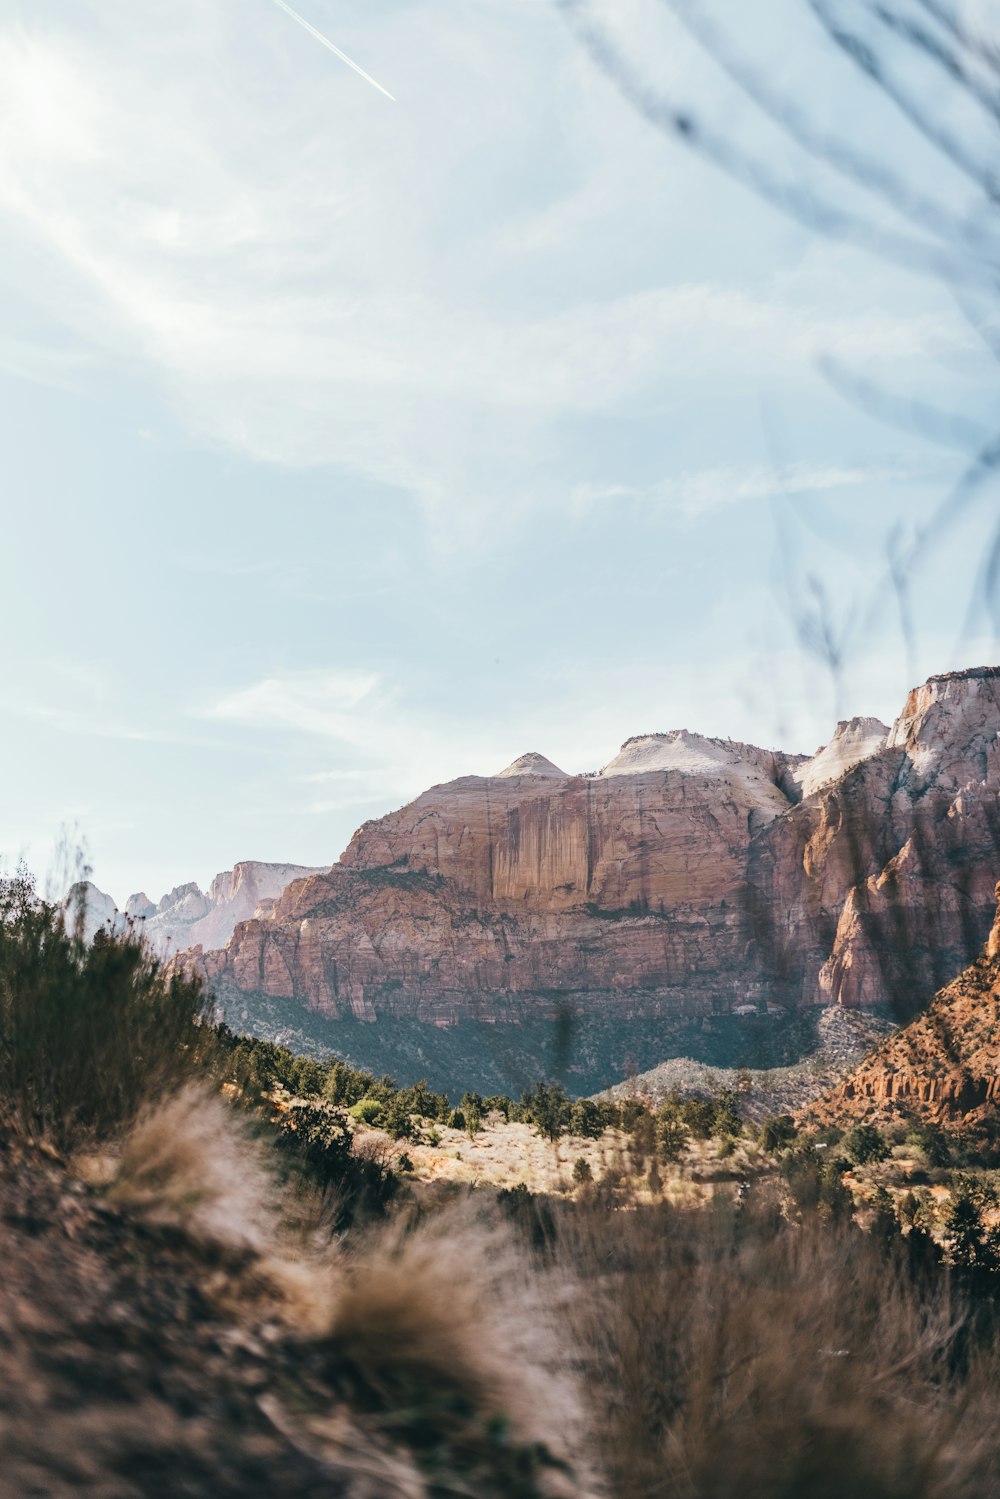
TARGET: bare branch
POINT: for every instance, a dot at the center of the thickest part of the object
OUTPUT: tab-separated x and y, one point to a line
946	16
946	58
868	61
982	329
793	199
864	170
919	418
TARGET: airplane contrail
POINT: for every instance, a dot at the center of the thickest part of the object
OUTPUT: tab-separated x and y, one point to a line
335	50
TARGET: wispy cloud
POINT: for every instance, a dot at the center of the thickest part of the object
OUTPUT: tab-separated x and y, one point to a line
308	303
313	702
696	494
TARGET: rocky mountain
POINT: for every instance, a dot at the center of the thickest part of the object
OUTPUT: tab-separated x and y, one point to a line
944	1067
87	909
691	878
185	916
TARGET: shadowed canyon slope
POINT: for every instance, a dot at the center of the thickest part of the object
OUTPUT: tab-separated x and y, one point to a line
944	1066
691	877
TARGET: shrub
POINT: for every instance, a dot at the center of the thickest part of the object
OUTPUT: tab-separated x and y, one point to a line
547	1107
699	1116
629	1111
815	1182
367	1111
969	1243
345	1085
190	1161
644	1135
865	1145
396	1119
933	1143
581	1171
89	1034
443	1331
585	1119
318	1144
777	1131
726	1122
673	1137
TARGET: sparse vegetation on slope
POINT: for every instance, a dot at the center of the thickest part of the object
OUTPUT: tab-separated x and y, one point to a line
271	1275
89	1033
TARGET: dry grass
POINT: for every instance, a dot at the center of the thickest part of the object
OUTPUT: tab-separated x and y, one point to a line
503	1155
732	1353
435	1331
191	1162
444	1332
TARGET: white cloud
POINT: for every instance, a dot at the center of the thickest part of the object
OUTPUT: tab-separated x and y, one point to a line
314	702
695	494
318	279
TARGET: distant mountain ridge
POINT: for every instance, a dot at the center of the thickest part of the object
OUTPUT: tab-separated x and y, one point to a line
692	877
185	916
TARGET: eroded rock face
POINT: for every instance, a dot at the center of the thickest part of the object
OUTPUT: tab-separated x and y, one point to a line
944	1066
690	876
886	875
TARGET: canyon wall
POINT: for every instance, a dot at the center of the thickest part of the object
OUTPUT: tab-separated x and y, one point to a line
944	1067
691	876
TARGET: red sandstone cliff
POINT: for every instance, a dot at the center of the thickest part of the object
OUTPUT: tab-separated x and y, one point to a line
944	1066
691	875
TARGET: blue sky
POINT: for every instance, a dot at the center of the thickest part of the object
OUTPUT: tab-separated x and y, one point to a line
354	445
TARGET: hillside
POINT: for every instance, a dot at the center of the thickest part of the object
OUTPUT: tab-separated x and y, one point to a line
944	1067
839	1039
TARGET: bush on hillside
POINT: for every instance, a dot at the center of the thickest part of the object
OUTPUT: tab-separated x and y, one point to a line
548	1109
865	1145
777	1132
317	1142
89	1034
367	1111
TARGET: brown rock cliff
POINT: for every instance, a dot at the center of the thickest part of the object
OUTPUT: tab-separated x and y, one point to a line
691	875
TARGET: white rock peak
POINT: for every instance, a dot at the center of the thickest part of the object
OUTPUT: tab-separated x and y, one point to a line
677	750
688	754
185	916
854	740
948	726
532	764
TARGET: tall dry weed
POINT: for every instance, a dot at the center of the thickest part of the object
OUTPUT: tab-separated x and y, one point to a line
732	1353
445	1333
190	1162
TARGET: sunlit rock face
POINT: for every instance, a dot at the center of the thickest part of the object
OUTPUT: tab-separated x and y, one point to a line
944	1066
185	915
878	888
88	910
854	740
689	876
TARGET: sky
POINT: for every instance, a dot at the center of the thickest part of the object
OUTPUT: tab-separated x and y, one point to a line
354	443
